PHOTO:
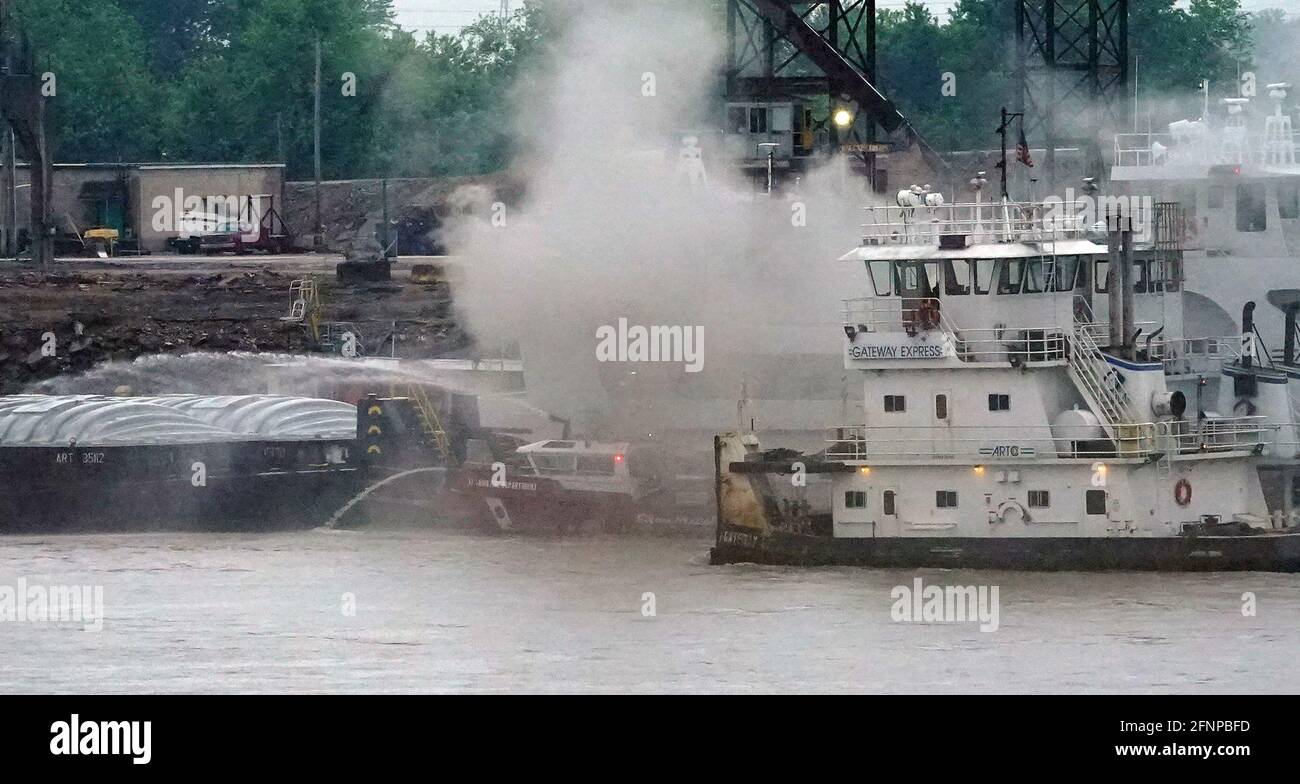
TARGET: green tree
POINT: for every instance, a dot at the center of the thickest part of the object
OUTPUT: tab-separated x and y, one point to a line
237	101
106	98
176	30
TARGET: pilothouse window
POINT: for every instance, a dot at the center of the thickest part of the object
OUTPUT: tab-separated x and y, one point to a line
1010	273
881	275
1251	212
554	464
1100	272
916	278
1034	277
1288	202
1067	272
1142	282
956	277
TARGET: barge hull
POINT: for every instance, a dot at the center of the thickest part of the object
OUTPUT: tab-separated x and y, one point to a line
267	502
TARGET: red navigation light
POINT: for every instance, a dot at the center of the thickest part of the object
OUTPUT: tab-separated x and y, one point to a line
618	458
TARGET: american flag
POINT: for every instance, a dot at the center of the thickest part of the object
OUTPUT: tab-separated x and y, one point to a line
1022	150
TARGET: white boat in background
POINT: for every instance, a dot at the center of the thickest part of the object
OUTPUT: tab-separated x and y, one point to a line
1237	180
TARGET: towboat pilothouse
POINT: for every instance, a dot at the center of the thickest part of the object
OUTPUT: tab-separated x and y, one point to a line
1029	401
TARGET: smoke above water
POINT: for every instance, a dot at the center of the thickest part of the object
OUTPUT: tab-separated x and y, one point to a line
612	228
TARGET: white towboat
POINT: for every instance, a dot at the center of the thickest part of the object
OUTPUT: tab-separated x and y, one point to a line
1031	402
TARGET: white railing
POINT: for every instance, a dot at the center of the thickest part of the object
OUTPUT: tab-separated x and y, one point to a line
984	222
1043	442
916	315
1196	355
1157	149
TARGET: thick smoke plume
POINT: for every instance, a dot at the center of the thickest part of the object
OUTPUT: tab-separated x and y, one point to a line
612	228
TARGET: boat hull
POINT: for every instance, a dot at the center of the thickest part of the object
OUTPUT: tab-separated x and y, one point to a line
267	502
1267	552
540	504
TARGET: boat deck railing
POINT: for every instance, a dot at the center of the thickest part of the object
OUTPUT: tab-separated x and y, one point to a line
1156	149
982	222
1040	343
1193	356
966	443
919	316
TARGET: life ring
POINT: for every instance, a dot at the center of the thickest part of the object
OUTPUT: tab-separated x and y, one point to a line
1183	492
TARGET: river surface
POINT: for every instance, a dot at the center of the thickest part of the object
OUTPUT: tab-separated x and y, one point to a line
435	611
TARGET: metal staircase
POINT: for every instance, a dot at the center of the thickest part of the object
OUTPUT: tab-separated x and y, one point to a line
427	413
1099	384
305	306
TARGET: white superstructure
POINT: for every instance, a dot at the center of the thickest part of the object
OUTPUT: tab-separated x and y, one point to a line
1237	179
1018	388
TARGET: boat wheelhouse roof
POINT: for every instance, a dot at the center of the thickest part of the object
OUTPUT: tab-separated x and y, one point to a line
1000	250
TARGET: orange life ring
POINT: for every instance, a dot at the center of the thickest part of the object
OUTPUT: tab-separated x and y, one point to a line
1183	492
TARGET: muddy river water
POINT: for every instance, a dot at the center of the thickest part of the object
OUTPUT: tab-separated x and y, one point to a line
434	611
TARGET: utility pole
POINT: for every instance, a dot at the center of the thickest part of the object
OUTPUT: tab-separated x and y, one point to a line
9	172
8	187
320	228
279	137
22	103
1007	117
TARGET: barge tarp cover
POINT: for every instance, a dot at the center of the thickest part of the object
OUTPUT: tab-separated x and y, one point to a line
93	420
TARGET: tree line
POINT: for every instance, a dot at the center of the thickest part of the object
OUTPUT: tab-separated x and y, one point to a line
232	80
